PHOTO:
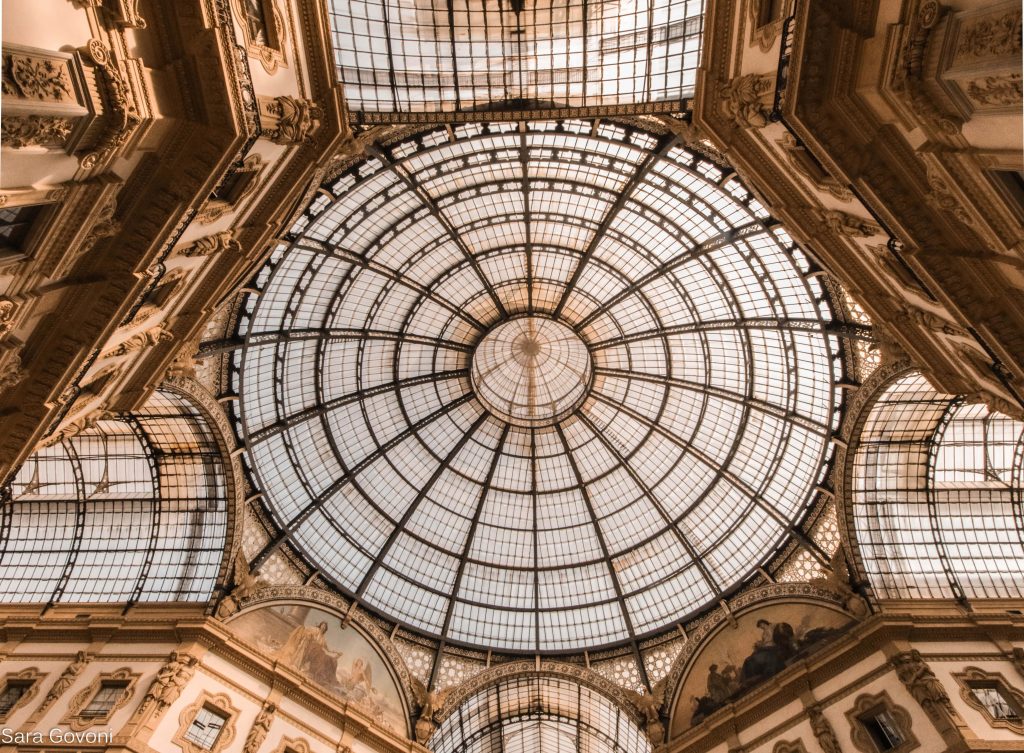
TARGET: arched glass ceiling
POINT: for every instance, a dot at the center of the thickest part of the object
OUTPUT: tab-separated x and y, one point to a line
538	713
533	524
938	490
423	56
133	509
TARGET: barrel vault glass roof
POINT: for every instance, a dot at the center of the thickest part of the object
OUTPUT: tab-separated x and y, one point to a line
414	56
597	517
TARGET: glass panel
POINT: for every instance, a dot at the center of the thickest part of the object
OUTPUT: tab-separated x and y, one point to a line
415	56
540	389
205	728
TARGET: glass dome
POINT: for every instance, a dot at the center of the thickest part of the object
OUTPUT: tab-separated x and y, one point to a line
538	387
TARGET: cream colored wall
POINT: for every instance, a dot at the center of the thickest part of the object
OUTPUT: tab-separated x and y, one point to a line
322	730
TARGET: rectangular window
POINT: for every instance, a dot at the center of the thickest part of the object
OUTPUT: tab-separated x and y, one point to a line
206	728
882	728
15	223
996	703
14	691
103	702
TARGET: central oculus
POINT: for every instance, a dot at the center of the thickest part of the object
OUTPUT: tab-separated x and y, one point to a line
531	371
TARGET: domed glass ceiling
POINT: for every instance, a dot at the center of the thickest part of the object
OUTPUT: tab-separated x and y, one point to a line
538	387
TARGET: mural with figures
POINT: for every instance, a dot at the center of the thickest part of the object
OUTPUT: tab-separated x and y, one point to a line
338	659
763	642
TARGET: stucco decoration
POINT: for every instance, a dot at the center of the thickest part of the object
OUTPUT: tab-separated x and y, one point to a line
328	653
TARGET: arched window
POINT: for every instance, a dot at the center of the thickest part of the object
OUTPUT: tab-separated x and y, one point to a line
132	509
937	492
531	713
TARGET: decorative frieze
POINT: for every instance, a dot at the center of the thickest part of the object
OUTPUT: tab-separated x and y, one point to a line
993	92
992	34
45	97
35	130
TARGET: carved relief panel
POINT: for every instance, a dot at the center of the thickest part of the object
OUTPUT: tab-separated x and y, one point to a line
46	98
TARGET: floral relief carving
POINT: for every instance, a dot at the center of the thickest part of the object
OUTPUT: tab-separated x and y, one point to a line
746	100
990	37
996	91
35	130
36	77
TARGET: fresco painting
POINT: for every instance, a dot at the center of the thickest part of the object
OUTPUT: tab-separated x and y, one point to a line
764	642
338	659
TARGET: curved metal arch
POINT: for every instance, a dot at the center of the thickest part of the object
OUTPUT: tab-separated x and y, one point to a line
193	577
882	567
817	325
550	693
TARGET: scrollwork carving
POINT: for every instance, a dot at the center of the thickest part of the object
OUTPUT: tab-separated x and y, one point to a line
210	244
140	340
